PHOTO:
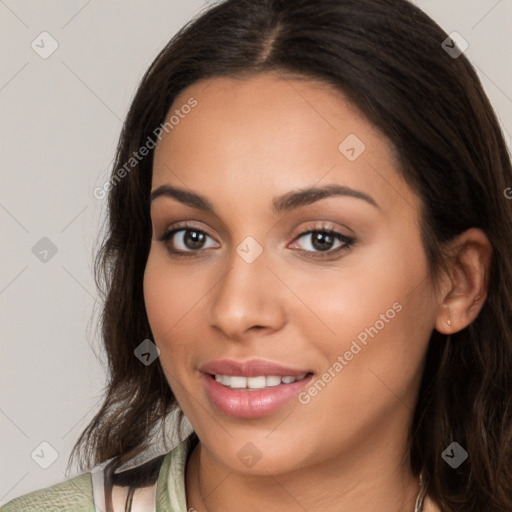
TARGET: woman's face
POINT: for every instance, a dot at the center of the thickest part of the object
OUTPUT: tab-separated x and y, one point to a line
262	280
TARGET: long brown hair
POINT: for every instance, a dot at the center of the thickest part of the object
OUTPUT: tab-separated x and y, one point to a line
387	57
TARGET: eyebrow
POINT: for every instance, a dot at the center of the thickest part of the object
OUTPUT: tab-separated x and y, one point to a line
290	201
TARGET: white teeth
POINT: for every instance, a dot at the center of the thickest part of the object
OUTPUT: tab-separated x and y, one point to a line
238	382
223	379
259	382
273	380
256	382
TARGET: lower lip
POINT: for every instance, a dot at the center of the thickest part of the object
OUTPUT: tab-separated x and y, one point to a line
245	403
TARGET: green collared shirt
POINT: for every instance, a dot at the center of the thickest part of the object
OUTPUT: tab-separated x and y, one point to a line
76	494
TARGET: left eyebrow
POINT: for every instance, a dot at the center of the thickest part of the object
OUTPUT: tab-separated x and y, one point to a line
297	199
284	203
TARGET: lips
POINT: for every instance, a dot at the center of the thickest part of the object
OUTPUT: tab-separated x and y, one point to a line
235	388
251	368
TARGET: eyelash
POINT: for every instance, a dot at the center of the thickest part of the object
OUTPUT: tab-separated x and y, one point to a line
347	241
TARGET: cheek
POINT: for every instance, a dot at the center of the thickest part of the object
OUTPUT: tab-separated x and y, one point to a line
171	296
377	314
371	352
158	298
170	291
349	299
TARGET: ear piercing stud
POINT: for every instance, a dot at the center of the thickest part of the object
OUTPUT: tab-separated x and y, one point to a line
449	322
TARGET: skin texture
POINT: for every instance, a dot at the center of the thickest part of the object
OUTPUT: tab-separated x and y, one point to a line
246	142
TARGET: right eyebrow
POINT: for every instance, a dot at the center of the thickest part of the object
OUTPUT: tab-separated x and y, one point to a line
183	196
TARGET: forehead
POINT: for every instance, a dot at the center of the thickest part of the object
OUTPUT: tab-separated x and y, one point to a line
269	133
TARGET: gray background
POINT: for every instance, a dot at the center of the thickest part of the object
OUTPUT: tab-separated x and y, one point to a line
61	118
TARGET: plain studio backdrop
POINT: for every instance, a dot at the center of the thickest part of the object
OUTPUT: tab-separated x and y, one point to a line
69	70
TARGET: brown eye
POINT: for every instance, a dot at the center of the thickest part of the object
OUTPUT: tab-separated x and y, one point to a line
192	239
322	241
185	240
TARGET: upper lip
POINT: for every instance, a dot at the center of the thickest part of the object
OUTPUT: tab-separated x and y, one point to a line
250	368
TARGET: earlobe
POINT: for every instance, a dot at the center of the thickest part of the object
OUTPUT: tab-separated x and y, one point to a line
467	283
444	323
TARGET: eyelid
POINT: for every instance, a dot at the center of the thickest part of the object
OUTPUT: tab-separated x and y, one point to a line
184	225
322	226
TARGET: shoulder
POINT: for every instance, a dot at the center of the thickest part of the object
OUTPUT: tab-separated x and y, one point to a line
81	493
74	494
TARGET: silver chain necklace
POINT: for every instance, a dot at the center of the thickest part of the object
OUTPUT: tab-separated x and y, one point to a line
421	496
418	507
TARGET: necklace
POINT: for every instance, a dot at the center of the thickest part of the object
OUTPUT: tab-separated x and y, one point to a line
418	507
421	496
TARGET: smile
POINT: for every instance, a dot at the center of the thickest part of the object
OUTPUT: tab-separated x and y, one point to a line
253	397
258	382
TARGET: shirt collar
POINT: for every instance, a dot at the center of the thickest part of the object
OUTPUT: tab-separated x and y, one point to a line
171	496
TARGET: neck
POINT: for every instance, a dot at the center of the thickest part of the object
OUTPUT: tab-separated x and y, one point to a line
360	483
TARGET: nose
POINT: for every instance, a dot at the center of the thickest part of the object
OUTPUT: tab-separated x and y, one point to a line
248	299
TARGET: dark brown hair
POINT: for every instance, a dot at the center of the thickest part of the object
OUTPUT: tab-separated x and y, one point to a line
387	57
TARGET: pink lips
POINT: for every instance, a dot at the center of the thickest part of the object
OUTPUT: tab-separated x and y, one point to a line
245	403
251	368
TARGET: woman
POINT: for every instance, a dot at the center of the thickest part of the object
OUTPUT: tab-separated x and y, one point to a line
308	256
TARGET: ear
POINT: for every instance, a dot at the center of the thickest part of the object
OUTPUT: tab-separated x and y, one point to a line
465	286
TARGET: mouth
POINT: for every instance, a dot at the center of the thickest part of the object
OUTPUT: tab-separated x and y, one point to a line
253	397
257	383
